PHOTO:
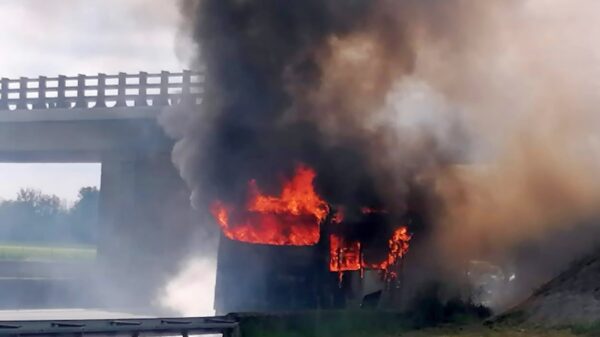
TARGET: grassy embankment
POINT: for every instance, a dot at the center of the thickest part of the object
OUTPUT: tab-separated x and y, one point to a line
385	324
482	331
26	252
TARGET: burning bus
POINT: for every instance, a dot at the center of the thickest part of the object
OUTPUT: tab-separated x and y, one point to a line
295	250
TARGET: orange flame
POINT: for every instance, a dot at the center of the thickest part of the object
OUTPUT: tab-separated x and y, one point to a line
293	218
346	255
398	246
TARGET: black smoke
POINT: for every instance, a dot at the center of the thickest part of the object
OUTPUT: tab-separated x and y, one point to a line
265	63
312	82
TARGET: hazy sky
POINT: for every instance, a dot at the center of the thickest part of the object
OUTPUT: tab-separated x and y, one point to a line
81	36
64	180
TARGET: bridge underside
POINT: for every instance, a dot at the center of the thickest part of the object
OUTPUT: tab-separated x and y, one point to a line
91	137
144	211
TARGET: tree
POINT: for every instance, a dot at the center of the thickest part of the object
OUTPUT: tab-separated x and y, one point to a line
36	217
32	216
42	218
42	205
83	216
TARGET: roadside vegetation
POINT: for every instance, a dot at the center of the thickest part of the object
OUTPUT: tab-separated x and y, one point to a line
375	323
16	252
482	331
36	226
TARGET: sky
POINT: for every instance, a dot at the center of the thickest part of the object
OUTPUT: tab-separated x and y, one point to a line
63	180
81	36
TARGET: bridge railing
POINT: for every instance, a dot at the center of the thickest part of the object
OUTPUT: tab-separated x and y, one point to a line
101	91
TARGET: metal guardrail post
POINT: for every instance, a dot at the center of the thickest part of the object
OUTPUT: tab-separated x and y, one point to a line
141	100
61	101
163	98
224	325
4	94
22	102
80	101
41	101
121	91
101	94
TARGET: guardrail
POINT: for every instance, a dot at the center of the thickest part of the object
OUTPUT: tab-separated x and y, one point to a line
224	325
101	91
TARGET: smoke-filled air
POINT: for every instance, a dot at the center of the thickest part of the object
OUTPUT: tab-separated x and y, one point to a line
479	115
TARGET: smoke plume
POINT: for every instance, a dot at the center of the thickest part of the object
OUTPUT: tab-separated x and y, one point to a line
189	293
483	111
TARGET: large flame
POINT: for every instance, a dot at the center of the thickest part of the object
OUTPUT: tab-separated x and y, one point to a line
294	219
291	219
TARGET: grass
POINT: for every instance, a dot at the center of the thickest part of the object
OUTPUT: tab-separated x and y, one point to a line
19	252
587	329
323	323
383	324
481	331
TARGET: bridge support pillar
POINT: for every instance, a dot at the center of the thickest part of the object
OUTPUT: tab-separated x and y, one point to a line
145	222
116	197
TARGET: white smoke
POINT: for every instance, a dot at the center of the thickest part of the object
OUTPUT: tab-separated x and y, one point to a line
191	292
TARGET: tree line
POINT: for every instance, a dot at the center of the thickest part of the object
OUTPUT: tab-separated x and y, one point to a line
35	217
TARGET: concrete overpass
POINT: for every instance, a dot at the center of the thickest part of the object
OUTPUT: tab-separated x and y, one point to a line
110	119
89	118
